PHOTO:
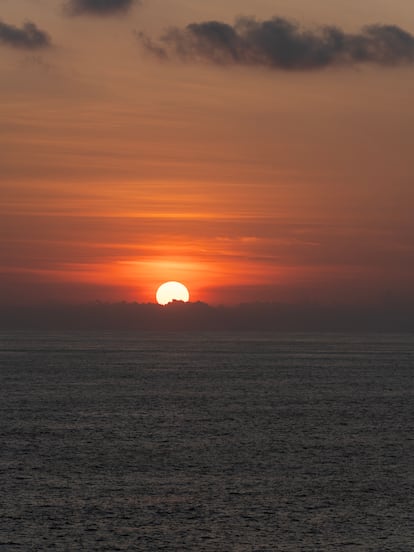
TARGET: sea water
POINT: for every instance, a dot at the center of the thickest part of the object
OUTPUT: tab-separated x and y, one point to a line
206	442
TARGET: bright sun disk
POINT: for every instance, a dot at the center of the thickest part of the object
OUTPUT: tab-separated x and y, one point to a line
172	291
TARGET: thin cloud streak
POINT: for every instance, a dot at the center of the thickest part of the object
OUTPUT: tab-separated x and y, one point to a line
278	43
98	7
28	37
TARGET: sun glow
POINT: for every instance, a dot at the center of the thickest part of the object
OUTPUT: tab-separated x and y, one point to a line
172	291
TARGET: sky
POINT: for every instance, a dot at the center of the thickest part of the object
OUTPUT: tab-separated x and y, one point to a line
255	151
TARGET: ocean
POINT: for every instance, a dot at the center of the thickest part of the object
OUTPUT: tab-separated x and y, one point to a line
232	442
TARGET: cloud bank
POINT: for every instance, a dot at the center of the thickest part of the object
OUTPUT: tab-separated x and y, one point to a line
29	37
98	7
202	317
278	43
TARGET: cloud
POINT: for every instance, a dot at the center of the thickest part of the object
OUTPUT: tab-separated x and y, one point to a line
98	7
281	44
29	37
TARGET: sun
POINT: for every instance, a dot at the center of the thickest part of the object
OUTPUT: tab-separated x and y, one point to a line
172	291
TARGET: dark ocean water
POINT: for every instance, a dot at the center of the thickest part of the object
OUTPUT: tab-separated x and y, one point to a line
203	442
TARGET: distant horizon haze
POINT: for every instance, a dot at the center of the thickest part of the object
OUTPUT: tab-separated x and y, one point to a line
200	316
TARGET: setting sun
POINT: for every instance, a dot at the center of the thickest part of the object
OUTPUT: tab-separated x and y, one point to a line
172	291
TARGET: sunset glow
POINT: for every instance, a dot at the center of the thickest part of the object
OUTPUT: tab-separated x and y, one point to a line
206	274
257	182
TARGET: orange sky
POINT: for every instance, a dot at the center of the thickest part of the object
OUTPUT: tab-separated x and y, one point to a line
119	171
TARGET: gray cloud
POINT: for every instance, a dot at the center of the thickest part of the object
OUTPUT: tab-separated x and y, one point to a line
28	37
98	7
278	43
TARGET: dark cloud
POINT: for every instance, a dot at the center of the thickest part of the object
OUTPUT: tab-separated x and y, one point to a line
278	43
98	7
29	37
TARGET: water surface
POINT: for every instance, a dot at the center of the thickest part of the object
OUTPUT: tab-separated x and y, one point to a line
206	442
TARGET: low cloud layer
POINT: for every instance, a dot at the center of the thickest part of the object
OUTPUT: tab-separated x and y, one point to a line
28	37
278	43
98	7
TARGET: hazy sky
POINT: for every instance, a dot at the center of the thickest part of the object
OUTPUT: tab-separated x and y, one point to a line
252	150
